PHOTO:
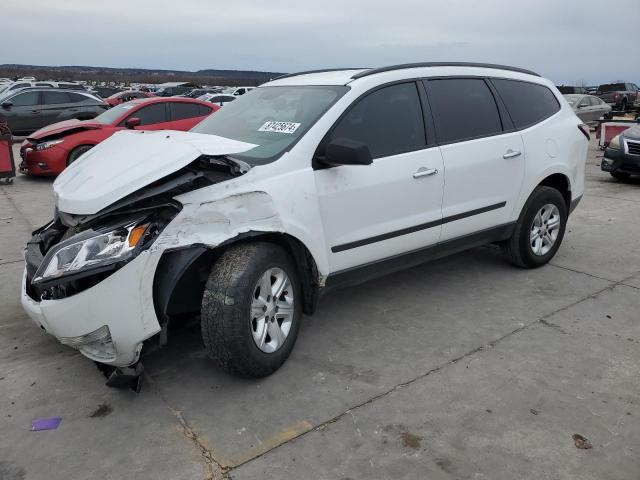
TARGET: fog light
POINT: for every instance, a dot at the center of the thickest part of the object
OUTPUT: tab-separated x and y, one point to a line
43	166
97	344
607	162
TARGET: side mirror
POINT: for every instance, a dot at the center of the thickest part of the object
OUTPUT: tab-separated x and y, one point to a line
132	122
7	105
342	151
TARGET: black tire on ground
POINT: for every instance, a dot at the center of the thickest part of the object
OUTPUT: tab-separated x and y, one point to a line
518	249
76	152
620	175
226	318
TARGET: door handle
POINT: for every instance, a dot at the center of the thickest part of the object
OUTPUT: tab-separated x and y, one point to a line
511	154
425	172
35	111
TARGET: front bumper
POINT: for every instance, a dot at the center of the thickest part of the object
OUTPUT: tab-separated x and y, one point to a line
45	162
616	160
123	302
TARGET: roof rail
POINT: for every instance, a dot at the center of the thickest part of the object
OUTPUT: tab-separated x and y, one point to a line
324	70
440	64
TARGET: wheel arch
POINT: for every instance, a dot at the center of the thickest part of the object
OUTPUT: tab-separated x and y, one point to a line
560	182
181	274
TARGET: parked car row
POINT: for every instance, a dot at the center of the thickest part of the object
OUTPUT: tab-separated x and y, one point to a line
51	149
619	96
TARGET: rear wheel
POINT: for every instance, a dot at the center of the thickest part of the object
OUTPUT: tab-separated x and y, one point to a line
251	309
77	152
539	230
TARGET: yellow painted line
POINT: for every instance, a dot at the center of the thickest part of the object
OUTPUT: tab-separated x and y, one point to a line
284	435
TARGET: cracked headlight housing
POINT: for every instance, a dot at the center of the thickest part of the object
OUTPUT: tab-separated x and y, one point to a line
90	250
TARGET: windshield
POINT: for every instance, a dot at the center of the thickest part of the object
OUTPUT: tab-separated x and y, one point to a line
111	115
273	118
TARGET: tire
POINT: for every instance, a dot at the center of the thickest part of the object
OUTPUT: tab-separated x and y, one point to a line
233	305
620	175
76	152
521	250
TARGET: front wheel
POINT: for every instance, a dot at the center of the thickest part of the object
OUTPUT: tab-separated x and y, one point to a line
251	309
77	152
539	230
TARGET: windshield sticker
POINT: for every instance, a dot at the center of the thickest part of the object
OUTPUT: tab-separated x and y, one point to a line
279	127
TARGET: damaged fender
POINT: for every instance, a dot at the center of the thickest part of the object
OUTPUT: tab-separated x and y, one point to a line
215	222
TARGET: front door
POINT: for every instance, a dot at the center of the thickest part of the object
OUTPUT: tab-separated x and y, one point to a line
393	206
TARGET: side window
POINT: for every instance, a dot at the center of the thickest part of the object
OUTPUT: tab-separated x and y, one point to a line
185	110
150	114
55	98
389	121
26	99
77	98
464	108
203	110
595	101
528	103
584	102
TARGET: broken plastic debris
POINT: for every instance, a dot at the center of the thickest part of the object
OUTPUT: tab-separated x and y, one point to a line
45	424
581	442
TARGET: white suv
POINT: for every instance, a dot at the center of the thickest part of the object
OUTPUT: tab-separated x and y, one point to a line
306	183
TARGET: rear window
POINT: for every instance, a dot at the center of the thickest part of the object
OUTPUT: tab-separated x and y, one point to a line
464	108
611	87
527	103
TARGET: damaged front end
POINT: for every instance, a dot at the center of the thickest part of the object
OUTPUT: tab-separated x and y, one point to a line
78	266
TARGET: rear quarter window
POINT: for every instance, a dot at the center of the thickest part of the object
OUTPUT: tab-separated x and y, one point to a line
527	103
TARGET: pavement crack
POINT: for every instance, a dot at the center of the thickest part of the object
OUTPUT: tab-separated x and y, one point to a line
541	320
8	262
215	470
581	272
21	215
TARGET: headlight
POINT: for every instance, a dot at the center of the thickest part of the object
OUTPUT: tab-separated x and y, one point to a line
44	145
90	250
615	142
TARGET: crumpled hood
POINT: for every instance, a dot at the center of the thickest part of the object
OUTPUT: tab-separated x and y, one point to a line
130	160
67	126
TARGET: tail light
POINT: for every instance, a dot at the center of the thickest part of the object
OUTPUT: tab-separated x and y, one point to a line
585	130
616	96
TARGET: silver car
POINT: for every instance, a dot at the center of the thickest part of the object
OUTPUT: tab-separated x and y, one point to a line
588	108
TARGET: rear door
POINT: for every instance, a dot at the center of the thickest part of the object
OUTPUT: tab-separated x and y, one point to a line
393	206
57	106
483	155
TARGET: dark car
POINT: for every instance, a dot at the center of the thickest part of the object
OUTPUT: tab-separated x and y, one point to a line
622	156
171	89
30	109
620	95
106	92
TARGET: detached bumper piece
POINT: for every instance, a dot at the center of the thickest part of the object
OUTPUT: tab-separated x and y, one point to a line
123	377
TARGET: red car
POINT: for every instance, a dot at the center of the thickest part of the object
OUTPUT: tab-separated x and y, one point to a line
49	150
122	97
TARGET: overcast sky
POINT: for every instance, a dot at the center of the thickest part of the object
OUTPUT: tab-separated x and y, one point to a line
565	40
